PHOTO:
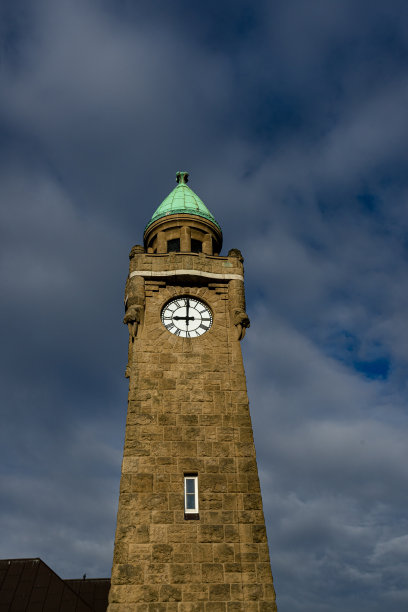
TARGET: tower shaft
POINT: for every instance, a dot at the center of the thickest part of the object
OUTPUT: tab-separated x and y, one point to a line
190	532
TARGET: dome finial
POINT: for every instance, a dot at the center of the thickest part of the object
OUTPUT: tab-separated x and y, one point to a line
182	178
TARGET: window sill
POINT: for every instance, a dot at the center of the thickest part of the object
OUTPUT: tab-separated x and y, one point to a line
191	516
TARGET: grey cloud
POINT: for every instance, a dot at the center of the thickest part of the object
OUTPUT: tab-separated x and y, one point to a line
291	121
337	470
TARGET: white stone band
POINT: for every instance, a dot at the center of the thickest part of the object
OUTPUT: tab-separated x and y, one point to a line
214	275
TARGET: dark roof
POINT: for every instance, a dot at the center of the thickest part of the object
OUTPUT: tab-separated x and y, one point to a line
29	585
94	591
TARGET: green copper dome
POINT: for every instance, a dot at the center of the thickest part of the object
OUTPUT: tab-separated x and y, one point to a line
182	200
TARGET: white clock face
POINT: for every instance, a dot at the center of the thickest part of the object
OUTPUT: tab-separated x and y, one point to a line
186	317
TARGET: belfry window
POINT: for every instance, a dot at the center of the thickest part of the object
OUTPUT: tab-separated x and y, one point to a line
196	246
191	494
173	245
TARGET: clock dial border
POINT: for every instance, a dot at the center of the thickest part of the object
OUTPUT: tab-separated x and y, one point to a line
186	316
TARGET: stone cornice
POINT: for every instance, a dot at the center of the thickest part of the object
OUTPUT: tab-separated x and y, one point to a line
200	273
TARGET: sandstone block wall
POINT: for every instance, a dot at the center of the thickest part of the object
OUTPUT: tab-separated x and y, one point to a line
188	413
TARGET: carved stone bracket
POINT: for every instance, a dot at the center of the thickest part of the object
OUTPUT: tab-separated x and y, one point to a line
241	322
135	250
132	319
239	317
135	305
236	253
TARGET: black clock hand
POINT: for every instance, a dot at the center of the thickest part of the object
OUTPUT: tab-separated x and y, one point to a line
186	318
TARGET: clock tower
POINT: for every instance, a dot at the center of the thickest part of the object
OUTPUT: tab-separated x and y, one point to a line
190	531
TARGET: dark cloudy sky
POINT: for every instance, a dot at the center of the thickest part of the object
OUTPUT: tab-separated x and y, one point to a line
291	117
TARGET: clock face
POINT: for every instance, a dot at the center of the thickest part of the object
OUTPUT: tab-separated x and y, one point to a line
186	317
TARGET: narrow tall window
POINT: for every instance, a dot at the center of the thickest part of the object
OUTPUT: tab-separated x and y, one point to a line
173	245
191	494
196	246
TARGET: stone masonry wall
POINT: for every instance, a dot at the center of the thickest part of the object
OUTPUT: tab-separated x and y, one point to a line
188	413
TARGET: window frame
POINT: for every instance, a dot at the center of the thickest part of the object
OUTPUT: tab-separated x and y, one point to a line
191	512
